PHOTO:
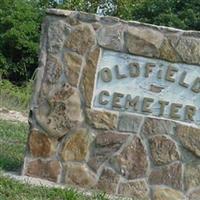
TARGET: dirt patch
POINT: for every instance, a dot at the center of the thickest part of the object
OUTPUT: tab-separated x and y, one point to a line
12	115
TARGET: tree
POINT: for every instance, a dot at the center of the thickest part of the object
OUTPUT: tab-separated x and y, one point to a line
81	5
20	22
184	14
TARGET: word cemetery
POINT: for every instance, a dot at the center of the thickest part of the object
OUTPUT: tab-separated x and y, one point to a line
148	86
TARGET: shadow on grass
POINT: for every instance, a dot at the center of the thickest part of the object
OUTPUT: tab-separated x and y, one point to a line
10	164
13	138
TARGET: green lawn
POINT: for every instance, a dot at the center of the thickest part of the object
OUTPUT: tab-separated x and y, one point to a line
13	190
13	137
12	145
14	97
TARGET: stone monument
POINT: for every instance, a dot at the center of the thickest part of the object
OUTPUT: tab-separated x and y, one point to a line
116	107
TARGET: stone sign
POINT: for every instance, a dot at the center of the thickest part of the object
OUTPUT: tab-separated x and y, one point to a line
116	107
148	86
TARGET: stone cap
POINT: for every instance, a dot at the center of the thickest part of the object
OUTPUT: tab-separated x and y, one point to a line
84	16
167	43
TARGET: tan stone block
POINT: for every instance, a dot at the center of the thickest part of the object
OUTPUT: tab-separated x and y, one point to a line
144	41
137	190
132	162
129	123
40	145
81	39
76	146
194	195
53	69
189	49
96	25
80	175
154	126
108	181
167	52
104	146
72	67
101	119
190	138
57	31
87	17
49	170
163	150
170	175
60	112
192	175
160	193
88	77
111	37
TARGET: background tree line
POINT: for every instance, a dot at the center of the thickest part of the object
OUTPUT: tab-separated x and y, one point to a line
20	22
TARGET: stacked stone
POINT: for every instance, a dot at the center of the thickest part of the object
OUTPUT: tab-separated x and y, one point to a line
121	154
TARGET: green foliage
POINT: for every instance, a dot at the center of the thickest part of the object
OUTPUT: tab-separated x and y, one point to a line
81	5
184	14
20	22
19	25
15	97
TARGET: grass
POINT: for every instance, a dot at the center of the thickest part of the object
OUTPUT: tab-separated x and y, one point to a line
11	189
14	97
13	138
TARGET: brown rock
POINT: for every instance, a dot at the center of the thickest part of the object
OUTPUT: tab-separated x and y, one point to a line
145	42
57	32
49	170
105	145
40	145
194	195
60	112
81	39
59	12
167	52
96	25
79	174
109	20
111	37
189	49
170	175
76	146
129	123
163	150
108	181
132	161
101	119
154	126
190	138
53	69
87	17
137	190
160	193
72	68
88	77
192	175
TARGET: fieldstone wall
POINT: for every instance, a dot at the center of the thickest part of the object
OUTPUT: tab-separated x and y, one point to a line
121	153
